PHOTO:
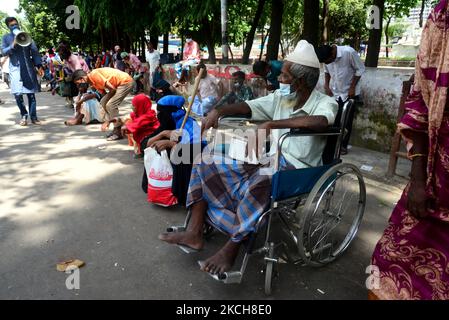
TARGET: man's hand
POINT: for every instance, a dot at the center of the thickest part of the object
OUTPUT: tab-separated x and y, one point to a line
166	134
105	126
417	199
40	72
328	91
351	93
124	130
163	145
175	135
211	121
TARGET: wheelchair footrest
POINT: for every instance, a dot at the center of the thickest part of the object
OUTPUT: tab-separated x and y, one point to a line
176	229
226	277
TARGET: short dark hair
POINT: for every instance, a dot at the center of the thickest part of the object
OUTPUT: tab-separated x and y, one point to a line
239	74
259	67
324	52
8	20
78	74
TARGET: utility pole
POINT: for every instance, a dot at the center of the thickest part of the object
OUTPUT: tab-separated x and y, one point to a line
224	31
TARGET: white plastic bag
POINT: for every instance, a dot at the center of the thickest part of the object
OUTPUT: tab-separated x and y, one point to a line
160	178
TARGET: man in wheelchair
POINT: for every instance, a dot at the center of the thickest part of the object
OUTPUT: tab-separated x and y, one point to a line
234	196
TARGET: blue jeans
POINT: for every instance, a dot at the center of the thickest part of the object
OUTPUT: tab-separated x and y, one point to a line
32	106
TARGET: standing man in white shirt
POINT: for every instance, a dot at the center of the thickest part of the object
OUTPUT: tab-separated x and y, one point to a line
343	70
153	58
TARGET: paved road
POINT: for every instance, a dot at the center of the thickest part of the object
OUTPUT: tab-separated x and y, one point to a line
67	193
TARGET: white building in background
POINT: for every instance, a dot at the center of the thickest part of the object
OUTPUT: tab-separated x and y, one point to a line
408	45
413	18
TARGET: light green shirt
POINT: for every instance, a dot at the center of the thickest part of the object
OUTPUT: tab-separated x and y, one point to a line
278	107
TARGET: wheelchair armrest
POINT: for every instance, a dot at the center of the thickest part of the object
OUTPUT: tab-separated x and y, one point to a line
330	131
236	117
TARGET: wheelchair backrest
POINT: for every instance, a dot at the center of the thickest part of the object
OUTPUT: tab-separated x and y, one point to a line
332	151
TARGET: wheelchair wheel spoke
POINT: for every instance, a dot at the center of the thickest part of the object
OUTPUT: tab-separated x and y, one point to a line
332	215
325	235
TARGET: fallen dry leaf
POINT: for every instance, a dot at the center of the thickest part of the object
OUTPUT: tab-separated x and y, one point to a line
62	266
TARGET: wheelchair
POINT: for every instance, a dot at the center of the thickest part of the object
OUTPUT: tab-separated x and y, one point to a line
319	209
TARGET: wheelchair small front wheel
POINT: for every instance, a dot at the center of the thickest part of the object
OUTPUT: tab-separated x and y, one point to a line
332	215
269	265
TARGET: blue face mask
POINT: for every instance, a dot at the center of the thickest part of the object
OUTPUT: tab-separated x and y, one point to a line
285	89
14	27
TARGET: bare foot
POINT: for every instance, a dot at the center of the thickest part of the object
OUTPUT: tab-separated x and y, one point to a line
189	238
223	260
76	121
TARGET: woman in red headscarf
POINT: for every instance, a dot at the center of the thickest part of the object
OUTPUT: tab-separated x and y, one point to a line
143	120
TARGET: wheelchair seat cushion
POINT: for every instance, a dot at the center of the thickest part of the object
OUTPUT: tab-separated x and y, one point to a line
292	183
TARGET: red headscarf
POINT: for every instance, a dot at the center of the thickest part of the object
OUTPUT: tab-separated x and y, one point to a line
144	119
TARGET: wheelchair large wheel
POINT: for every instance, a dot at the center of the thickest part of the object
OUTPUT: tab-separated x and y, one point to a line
332	214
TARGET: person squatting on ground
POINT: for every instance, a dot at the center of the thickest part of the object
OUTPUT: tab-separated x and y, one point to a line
171	115
239	91
87	107
118	85
209	92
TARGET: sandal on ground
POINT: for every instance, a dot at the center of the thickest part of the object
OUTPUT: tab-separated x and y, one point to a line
23	122
115	137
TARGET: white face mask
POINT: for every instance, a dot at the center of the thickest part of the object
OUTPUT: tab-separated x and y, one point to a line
188	40
285	89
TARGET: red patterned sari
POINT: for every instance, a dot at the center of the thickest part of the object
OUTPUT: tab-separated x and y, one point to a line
413	254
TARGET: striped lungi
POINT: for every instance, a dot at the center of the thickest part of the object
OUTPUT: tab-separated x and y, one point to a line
237	195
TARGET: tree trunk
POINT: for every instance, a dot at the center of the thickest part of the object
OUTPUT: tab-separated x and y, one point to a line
387	38
211	49
102	38
311	21
144	45
325	36
375	39
264	39
117	38
208	31
166	36
224	32
232	55
252	32
277	10
421	14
